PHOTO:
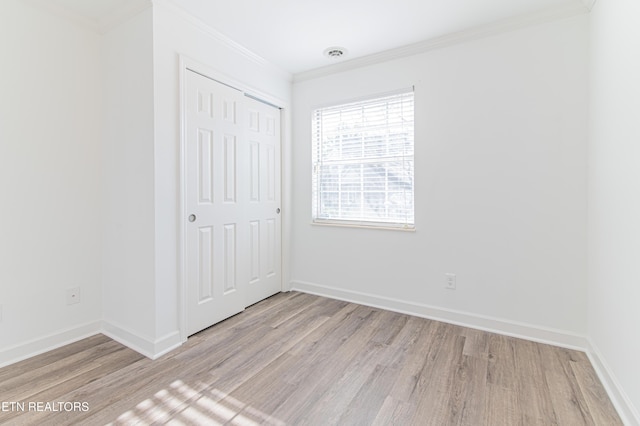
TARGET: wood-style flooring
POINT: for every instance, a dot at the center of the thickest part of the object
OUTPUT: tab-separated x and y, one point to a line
298	359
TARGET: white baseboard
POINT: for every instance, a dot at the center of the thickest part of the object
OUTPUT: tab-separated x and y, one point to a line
167	343
46	343
150	348
535	333
144	345
627	412
141	344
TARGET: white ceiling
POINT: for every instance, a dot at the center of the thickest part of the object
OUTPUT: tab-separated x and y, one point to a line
292	34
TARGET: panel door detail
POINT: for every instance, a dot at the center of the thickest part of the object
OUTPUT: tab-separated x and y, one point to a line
232	202
263	134
213	257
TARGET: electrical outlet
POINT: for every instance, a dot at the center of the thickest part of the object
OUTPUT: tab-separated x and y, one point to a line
73	295
450	281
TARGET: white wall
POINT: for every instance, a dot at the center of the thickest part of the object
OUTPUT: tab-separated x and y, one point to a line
500	181
174	34
614	199
90	172
500	184
50	193
128	198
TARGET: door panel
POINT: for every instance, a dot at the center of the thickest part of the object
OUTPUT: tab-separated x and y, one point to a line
264	200
213	261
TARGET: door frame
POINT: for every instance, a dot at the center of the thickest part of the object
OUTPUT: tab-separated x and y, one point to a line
188	64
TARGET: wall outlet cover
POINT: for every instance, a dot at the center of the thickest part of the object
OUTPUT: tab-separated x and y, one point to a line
450	281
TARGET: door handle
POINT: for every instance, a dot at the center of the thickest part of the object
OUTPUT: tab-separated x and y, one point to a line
278	211
192	218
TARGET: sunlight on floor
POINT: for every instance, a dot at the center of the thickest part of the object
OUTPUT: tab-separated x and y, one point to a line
181	404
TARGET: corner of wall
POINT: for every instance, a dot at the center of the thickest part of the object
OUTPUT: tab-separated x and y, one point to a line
121	14
588	4
627	412
151	348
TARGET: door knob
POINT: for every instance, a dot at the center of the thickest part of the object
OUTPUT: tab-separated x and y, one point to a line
278	211
192	218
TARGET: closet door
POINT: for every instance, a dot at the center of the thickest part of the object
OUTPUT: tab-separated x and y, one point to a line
232	201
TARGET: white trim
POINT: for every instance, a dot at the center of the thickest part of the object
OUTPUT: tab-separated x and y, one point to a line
166	344
621	401
182	202
365	98
144	345
46	343
209	71
475	33
550	336
363	225
220	38
186	63
141	344
286	190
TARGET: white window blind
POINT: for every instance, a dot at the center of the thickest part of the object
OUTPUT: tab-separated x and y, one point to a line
363	162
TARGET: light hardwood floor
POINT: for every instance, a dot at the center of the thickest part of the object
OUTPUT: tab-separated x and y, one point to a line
298	359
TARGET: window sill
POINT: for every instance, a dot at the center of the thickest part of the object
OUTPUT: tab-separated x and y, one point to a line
364	226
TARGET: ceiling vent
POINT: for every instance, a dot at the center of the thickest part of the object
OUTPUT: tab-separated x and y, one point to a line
335	52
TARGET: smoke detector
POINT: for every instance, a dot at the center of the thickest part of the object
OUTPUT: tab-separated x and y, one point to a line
335	52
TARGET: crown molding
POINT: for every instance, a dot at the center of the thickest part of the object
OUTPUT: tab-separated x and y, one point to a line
220	38
210	31
578	7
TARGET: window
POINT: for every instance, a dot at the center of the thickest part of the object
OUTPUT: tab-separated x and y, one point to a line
363	162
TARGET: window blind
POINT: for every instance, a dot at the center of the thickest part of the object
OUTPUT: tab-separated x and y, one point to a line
363	162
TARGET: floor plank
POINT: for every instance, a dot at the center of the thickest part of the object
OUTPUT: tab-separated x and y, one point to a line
297	359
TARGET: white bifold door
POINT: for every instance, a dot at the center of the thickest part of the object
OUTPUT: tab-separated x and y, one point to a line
233	240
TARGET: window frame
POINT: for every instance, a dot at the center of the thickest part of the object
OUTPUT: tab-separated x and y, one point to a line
316	146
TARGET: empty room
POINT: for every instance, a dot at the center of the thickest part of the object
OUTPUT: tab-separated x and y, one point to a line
288	212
